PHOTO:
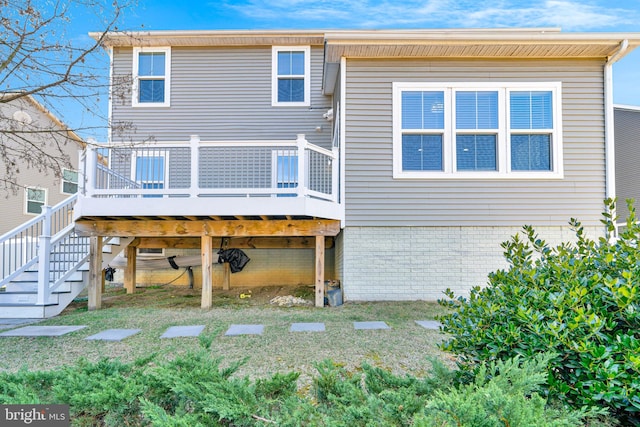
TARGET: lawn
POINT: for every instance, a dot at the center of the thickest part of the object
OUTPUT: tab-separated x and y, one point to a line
405	348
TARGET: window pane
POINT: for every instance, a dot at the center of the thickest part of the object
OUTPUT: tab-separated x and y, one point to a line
290	63
476	152
422	110
34	207
150	169
531	152
151	90
69	187
291	90
531	110
422	152
36	195
69	175
151	64
476	110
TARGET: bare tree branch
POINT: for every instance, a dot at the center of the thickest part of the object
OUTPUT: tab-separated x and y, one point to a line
40	63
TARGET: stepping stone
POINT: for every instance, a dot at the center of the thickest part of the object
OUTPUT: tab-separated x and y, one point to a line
113	334
370	325
41	331
183	331
429	324
307	327
245	330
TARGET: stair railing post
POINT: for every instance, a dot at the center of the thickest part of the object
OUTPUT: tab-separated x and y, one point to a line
44	257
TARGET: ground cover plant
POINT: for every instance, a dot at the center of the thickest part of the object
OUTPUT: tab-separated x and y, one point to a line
195	389
579	300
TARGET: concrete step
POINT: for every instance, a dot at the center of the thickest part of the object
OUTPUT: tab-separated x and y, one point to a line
26	298
33	286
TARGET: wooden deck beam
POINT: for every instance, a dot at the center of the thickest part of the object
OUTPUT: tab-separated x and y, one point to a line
236	242
238	228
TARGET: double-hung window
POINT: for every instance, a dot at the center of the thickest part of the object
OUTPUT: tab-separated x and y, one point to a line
69	181
35	199
477	130
151	77
290	76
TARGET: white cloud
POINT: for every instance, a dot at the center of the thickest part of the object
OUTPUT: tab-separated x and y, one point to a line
570	15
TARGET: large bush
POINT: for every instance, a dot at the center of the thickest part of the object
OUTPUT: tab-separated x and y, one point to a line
579	300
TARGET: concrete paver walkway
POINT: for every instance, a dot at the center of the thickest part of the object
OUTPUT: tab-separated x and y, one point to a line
40	331
192	330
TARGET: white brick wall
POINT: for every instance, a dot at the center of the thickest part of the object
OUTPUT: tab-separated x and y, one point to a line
418	263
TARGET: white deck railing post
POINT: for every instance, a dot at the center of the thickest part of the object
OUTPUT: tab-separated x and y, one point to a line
44	255
301	142
90	169
195	171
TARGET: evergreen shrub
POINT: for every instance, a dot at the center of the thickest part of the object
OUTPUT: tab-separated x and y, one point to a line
579	300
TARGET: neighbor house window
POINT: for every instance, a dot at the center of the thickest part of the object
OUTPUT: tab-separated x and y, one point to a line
35	199
291	82
69	181
471	130
151	77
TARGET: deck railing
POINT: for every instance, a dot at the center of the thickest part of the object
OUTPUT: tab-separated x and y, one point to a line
212	169
19	247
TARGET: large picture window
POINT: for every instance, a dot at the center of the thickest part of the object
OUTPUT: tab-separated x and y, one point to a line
291	76
477	130
151	77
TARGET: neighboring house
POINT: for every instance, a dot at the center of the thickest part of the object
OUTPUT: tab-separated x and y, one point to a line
28	120
393	161
627	131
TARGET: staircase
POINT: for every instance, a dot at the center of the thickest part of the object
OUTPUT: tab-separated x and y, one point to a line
44	264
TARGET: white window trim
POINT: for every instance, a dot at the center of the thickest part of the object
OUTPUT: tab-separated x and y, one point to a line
503	157
62	180
26	199
167	77
307	76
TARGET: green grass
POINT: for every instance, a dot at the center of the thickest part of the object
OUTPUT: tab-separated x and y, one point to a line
403	349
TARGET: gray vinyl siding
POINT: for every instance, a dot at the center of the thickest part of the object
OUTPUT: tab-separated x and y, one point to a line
627	137
374	198
220	94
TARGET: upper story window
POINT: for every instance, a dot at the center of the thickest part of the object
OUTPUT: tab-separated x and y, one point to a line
291	81
69	181
466	130
151	77
35	199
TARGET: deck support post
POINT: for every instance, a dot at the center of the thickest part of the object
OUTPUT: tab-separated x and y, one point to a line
130	271
207	271
319	271
226	276
95	273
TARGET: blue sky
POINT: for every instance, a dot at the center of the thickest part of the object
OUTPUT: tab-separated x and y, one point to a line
569	15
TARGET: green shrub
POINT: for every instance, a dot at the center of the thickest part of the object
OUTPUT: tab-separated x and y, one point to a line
578	300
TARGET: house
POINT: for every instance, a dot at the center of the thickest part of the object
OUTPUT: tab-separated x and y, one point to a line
393	161
24	118
627	138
